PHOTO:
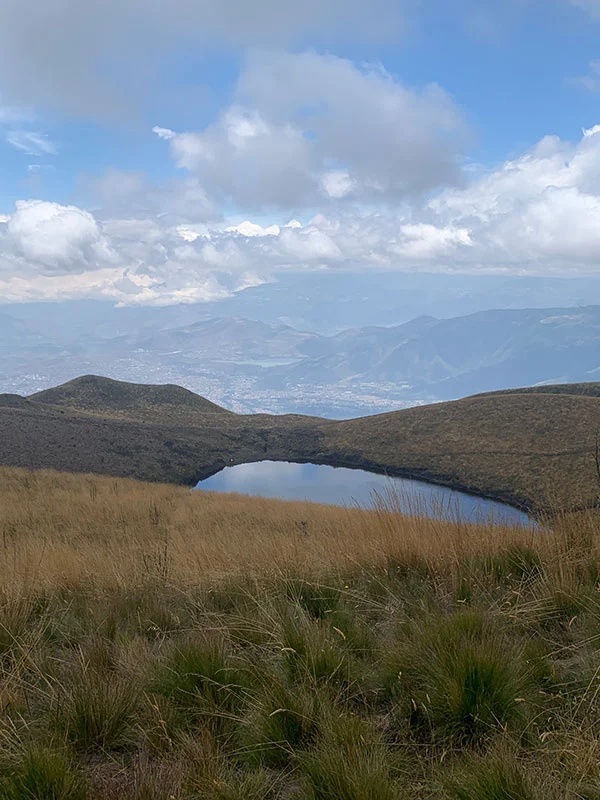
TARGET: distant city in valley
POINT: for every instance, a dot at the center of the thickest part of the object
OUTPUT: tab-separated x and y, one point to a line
388	341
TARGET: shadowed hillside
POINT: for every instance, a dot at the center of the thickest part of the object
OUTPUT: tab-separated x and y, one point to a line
108	397
531	449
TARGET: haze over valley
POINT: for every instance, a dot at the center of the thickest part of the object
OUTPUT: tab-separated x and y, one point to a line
273	349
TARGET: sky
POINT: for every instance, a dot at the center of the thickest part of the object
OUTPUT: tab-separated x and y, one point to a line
181	150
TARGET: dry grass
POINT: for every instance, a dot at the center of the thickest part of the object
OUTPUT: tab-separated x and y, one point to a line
157	643
59	530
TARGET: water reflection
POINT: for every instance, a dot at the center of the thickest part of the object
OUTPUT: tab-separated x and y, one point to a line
355	487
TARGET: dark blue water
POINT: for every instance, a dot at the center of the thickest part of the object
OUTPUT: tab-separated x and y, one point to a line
356	487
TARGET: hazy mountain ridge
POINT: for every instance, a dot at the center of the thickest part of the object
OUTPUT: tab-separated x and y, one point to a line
451	358
250	365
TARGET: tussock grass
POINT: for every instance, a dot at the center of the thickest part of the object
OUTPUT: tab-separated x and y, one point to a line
97	711
42	773
157	643
464	677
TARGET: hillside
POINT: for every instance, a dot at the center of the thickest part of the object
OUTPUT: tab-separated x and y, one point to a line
448	358
106	397
531	449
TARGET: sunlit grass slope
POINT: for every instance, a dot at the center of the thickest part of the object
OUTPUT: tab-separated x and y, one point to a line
157	643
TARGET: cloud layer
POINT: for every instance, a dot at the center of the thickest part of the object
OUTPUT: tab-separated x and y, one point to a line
536	214
95	58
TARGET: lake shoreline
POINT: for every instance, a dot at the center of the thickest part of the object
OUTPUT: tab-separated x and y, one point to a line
506	497
257	478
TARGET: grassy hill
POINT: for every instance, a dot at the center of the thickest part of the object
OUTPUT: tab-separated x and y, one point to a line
159	643
119	399
530	448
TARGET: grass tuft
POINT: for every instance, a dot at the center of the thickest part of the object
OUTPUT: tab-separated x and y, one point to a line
98	711
350	762
43	774
463	677
203	674
493	779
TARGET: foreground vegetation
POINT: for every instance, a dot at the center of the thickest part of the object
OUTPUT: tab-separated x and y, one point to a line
158	644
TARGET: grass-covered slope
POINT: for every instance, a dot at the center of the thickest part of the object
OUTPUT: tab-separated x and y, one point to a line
104	396
528	447
531	448
158	433
157	643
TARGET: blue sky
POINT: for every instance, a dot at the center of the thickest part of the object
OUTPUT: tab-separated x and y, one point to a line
402	135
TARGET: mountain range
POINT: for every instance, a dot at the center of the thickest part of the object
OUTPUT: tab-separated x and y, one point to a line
250	365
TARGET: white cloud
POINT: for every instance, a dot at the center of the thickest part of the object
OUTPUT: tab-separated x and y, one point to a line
248	228
307	125
132	194
337	183
164	133
244	158
537	214
33	143
589	82
56	238
425	241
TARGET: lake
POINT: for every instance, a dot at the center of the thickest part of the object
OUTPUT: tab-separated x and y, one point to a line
356	487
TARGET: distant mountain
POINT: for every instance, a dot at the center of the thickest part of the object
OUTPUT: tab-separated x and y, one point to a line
251	365
229	339
445	359
16	333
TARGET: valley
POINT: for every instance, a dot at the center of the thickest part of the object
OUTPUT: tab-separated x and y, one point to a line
252	366
534	450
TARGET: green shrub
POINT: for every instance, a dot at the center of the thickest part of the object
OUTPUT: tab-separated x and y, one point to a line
204	675
281	721
314	651
492	779
317	600
261	785
350	762
515	564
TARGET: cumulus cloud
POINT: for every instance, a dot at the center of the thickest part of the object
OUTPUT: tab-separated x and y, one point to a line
248	228
537	214
305	127
56	52
56	238
120	193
